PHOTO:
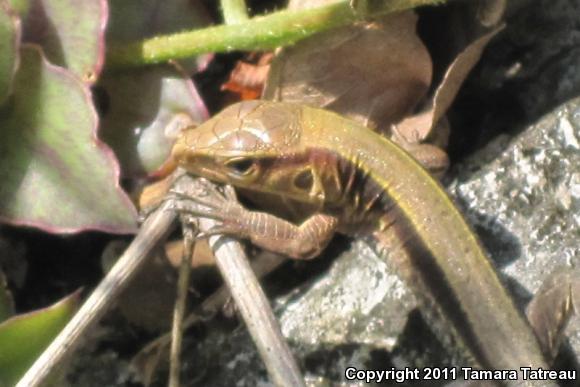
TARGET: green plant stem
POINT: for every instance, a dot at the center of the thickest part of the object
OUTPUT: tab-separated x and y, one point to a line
260	33
234	11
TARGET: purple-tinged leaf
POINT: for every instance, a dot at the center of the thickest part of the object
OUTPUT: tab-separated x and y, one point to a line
55	173
71	32
9	46
146	110
25	336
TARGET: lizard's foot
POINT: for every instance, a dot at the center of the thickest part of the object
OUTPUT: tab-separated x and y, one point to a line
219	205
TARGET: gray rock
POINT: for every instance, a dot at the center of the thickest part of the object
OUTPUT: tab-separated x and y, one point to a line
525	205
347	304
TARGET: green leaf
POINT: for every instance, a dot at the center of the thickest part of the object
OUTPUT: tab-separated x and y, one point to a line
9	45
55	173
24	337
71	33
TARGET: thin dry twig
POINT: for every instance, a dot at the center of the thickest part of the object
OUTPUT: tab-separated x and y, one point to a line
180	305
247	293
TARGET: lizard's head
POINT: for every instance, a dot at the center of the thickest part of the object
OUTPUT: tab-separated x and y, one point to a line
254	145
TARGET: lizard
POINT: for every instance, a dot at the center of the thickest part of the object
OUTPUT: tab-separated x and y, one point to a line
361	184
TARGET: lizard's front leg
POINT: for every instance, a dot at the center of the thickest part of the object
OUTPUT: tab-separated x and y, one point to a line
265	230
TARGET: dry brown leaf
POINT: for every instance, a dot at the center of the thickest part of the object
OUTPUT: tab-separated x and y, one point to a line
491	12
247	79
418	127
377	73
374	73
552	307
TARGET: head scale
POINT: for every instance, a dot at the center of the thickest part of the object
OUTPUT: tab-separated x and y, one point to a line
254	145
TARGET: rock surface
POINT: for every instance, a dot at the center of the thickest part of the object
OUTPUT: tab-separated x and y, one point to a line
525	205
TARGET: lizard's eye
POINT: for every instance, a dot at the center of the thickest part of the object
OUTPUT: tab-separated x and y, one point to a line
304	180
241	167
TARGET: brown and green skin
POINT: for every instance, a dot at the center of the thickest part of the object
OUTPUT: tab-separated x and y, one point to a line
359	183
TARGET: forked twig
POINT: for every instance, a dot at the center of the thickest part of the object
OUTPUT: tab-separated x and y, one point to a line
231	260
248	295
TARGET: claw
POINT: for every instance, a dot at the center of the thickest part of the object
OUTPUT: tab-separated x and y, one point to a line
204	235
197	200
218	205
216	230
204	213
